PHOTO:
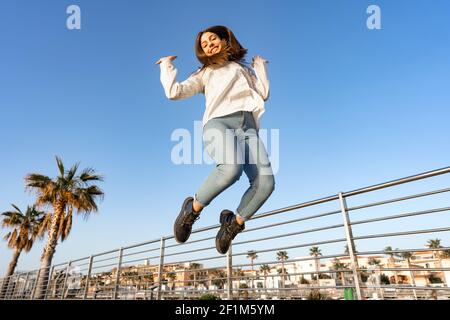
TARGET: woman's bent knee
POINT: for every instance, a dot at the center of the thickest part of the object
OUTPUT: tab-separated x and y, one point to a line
266	185
230	173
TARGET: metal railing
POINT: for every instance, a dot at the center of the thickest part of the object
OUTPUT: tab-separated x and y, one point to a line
164	269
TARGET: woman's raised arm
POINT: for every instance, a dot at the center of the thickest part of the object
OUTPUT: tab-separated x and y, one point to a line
178	90
259	64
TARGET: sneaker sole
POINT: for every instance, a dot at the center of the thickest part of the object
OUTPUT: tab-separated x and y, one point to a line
223	214
180	216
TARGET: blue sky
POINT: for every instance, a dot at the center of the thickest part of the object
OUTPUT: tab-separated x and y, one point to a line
353	106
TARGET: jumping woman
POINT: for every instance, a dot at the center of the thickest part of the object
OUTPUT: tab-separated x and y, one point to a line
235	95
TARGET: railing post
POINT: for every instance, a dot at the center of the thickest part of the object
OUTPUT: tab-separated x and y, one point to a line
230	273
17	287
350	244
86	287
49	282
24	290
15	278
160	268
65	279
119	267
6	286
33	290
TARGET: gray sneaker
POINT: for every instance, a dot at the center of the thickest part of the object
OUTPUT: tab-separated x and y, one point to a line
228	230
186	218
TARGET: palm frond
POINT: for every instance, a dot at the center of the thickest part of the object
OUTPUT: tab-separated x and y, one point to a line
61	227
12	241
71	173
60	166
6	237
36	180
11	219
45	224
85	199
67	226
89	174
28	245
15	207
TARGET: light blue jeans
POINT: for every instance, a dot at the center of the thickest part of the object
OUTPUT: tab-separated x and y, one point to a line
233	142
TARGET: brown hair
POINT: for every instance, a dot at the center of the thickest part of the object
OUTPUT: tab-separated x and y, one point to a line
233	51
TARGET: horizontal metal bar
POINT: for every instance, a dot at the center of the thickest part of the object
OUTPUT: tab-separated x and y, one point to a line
385	252
290	261
189	251
290	234
405	269
190	242
379	203
392	183
294	220
399	216
201	259
141	244
295	246
104	266
139	252
395	234
295	207
405	287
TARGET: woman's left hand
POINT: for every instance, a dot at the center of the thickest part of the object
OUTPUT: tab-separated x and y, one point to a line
258	59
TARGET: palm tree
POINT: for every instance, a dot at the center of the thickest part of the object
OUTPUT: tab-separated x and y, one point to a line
408	255
240	275
388	250
25	229
265	268
283	272
374	261
316	253
148	279
445	254
194	267
338	265
377	263
251	254
436	244
219	278
172	276
282	256
68	191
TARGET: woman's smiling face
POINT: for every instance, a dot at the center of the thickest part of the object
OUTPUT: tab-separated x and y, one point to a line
211	43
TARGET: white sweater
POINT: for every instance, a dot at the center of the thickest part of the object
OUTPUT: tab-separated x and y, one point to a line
227	89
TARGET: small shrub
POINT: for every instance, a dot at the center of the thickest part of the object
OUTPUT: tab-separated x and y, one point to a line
209	296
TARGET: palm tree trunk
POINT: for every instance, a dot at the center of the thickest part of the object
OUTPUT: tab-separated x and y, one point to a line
252	275
265	282
317	270
49	250
9	273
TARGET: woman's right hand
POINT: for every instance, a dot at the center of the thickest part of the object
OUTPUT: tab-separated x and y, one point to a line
161	59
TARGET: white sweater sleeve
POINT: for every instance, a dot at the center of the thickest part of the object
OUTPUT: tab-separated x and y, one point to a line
261	80
178	90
